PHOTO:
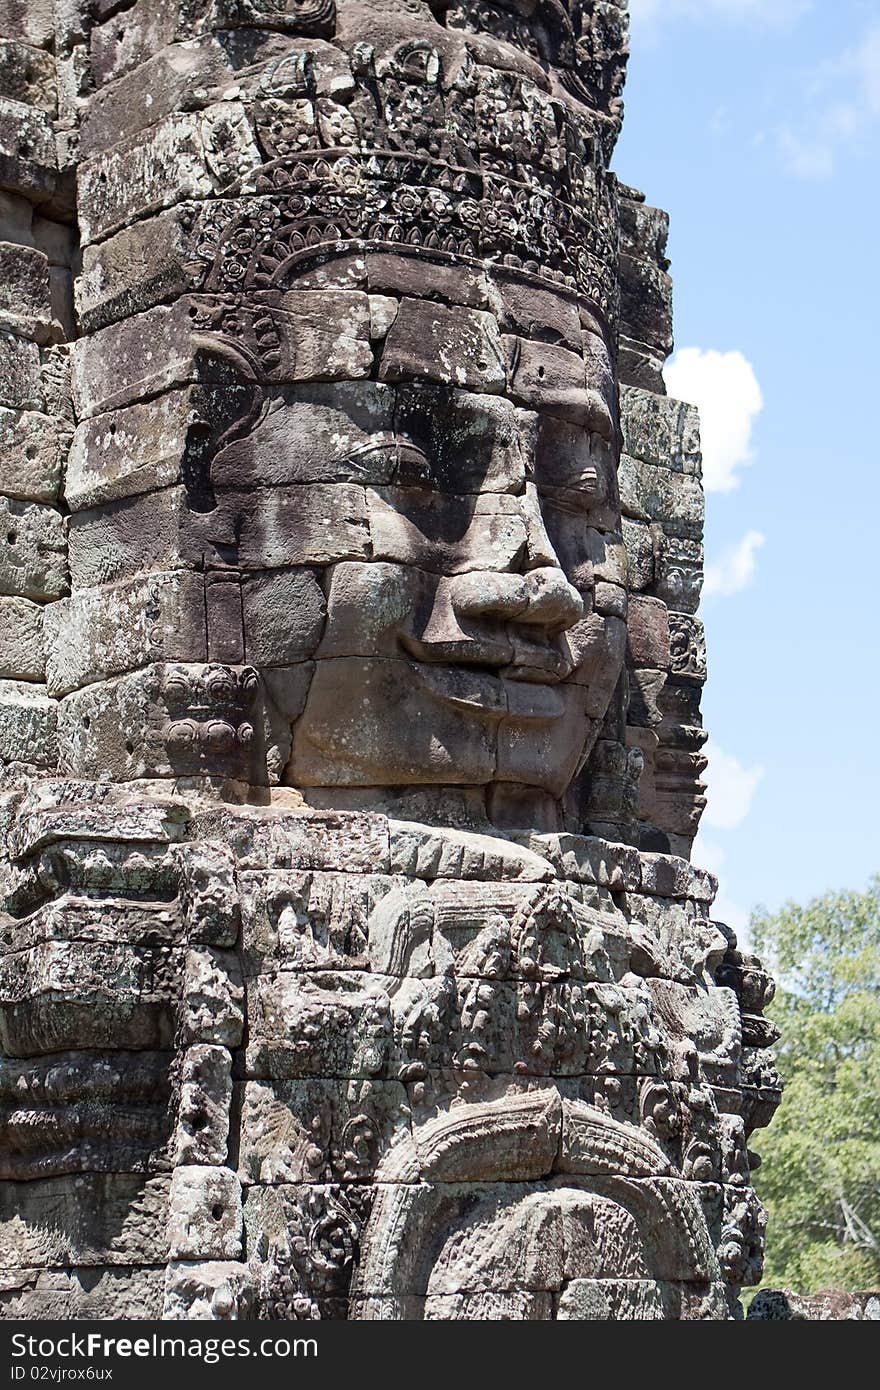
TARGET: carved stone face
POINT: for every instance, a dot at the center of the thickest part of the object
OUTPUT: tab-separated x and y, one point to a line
473	576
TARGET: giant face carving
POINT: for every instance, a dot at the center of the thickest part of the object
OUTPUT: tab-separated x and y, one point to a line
473	569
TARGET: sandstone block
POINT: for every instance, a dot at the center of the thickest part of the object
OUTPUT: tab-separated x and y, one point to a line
284	615
298	1031
342	741
218	1290
65	1295
132	271
33	23
213	998
646	303
123	41
324	334
47	818
286	16
118	725
203	1114
33	561
423	852
21	640
368	605
317	1131
137	449
542	376
383	312
414	276
145	447
24	291
204	1220
679	573
83	1112
471	442
646	687
329	840
55	383
122	539
188	155
578	466
27	725
315	525
146	354
299	919
628	1300
611	600
91	1220
321	432
168	79
486	532
209	894
107	631
529	311
651	494
667	877
660	431
456	345
643	544
640	366
21	385
61	995
586	860
687	643
28	160
648	633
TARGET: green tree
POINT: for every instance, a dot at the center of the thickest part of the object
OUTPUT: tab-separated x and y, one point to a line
820	1175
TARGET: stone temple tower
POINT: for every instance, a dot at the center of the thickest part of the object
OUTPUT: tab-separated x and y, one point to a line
352	964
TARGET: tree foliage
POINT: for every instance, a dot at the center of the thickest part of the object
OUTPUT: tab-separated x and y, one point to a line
820	1175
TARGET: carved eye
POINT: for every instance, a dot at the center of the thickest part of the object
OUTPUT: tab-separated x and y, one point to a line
414	468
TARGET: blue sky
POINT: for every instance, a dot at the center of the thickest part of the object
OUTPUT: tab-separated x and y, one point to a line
756	124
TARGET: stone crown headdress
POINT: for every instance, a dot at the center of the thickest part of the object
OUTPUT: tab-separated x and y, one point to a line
473	143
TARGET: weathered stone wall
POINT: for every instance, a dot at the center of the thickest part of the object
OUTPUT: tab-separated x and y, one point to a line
351	961
38	255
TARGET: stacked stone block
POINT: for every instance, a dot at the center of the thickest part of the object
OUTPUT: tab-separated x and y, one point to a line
38	252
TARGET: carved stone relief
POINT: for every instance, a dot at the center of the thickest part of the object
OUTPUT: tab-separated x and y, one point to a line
351	960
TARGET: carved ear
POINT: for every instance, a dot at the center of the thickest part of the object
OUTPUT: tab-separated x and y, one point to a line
230	403
222	360
399	925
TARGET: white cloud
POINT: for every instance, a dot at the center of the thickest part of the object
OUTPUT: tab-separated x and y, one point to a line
848	103
724	387
735	568
731	789
766	12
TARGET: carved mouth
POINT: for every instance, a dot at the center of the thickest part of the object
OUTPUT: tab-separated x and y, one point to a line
525	694
516	660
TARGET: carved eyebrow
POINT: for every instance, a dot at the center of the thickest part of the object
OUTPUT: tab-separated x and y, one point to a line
384	442
388	442
395	448
580	490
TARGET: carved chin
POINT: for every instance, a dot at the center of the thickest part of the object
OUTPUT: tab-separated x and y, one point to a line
392	722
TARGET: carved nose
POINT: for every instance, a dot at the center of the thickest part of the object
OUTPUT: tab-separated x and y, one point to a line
553	603
541	598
